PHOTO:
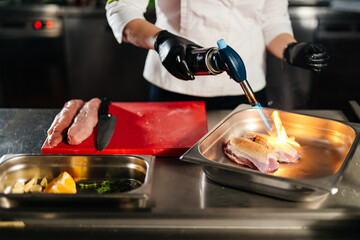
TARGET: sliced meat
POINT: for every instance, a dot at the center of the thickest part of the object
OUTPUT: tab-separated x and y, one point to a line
285	153
246	152
84	122
62	121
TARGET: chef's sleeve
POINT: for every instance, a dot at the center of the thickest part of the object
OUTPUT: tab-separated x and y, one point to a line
120	12
275	19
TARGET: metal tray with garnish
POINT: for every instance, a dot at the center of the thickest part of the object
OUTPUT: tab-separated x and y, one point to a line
121	180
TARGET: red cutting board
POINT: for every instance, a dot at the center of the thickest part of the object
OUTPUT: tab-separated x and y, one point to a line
146	128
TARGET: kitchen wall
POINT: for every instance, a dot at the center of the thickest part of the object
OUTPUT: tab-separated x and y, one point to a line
97	64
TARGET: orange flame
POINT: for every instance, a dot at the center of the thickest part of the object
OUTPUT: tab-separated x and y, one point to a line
281	133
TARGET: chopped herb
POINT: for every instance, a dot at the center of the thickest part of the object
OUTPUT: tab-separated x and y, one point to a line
111	186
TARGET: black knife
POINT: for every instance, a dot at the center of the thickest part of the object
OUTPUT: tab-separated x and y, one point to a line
106	125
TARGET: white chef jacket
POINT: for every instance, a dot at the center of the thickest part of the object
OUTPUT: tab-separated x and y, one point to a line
246	25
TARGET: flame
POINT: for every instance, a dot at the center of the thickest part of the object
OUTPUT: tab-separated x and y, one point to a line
280	131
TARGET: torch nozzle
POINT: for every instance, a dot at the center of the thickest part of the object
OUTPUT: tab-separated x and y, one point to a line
249	93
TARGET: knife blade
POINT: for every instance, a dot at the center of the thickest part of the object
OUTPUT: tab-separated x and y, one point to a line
106	125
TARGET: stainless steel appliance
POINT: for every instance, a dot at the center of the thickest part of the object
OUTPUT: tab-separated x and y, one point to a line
97	64
32	67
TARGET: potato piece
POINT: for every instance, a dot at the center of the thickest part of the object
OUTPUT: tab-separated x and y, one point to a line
44	182
29	184
36	188
18	188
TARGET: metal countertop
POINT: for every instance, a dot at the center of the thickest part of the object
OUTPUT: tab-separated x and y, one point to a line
186	203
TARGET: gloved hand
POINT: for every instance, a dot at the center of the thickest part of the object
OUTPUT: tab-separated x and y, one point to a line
308	55
172	50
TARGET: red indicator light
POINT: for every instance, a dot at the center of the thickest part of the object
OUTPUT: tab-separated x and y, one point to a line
49	24
37	24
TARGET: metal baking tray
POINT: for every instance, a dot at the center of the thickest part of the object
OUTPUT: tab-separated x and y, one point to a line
327	146
83	168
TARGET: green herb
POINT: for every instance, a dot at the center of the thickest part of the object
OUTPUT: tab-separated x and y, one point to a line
111	187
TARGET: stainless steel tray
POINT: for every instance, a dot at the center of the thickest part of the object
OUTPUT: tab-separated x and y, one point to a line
327	148
22	167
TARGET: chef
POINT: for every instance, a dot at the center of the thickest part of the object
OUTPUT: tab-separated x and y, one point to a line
248	26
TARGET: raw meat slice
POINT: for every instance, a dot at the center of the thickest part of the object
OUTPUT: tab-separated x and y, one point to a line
285	153
62	121
84	122
246	152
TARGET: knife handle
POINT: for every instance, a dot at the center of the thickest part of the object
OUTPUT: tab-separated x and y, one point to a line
104	106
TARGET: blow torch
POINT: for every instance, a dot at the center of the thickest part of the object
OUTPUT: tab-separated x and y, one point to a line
215	61
235	68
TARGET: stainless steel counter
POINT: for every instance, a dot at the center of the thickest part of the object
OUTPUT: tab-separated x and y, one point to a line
186	204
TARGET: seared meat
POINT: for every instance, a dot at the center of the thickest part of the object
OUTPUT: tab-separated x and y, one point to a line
285	153
246	152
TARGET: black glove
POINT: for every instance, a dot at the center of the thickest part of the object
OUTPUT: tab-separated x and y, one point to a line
307	55
172	50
